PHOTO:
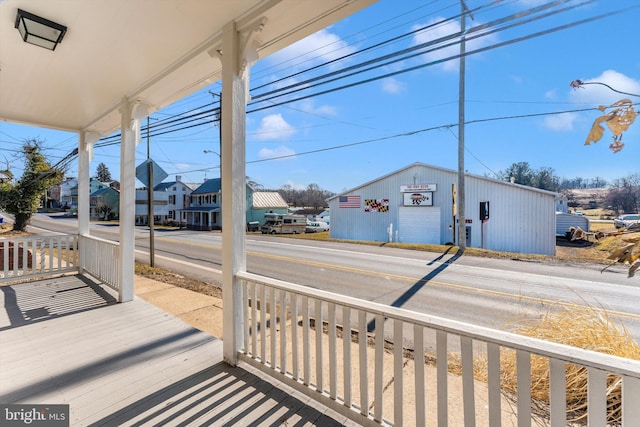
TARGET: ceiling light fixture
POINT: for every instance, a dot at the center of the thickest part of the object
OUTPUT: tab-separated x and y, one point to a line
39	31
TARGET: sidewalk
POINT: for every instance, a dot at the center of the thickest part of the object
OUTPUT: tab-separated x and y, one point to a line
203	312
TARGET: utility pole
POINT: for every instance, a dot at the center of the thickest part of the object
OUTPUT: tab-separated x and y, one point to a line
462	228
150	200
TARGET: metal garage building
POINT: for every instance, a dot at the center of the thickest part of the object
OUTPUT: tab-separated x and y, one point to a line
416	205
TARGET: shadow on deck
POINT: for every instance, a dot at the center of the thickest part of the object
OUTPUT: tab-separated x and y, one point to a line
66	341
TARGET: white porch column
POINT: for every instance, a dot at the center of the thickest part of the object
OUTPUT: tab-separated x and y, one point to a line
234	99
131	115
85	155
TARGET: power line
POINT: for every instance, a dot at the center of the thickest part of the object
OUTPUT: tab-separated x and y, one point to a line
435	62
305	84
200	118
205	114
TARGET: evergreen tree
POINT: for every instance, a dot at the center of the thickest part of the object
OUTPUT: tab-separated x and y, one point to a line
102	173
22	199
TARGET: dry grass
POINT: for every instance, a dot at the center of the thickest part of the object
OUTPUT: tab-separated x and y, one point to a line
175	279
578	326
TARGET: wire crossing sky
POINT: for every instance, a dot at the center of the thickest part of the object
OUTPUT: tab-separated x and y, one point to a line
378	91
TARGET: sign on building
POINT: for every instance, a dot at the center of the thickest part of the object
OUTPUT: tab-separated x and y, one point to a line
423	198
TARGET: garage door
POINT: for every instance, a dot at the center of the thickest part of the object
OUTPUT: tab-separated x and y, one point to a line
419	225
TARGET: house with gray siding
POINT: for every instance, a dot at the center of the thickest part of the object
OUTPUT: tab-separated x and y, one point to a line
416	204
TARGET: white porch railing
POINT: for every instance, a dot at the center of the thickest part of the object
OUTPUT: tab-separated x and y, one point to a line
374	382
100	259
37	256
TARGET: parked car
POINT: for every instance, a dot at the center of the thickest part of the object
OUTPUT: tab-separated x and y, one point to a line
628	220
316	226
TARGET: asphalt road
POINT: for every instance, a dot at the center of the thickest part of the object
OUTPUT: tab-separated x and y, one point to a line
496	293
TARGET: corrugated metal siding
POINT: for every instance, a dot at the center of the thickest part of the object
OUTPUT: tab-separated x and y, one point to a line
522	220
268	199
419	224
565	221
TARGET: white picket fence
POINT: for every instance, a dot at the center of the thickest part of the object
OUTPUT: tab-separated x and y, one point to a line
296	334
37	256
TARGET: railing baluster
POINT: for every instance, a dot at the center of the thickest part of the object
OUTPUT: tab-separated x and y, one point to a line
346	354
557	393
306	350
362	350
419	380
16	264
493	384
294	337
254	321
5	258
59	247
283	331
597	397
273	334
468	395
263	324
43	255
27	249
75	250
398	362
442	380
245	315
630	399
25	258
333	353
379	368
51	246
523	382
319	347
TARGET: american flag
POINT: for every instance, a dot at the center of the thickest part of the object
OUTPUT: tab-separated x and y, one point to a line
349	202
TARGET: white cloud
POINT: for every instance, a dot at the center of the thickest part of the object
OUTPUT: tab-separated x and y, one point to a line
551	94
443	30
280	151
183	166
393	86
274	127
309	106
295	185
318	47
561	122
602	95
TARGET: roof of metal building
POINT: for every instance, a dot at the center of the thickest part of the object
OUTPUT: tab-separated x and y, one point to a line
268	199
483	178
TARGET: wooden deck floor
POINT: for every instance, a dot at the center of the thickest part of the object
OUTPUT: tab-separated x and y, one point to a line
66	341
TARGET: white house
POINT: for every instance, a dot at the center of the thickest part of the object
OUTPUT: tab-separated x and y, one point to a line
160	207
416	205
178	196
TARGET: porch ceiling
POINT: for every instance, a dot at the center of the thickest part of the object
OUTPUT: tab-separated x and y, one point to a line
157	51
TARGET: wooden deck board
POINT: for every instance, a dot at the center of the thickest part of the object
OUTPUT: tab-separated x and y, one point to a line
67	341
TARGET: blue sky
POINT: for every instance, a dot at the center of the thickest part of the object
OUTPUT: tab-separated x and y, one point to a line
519	104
